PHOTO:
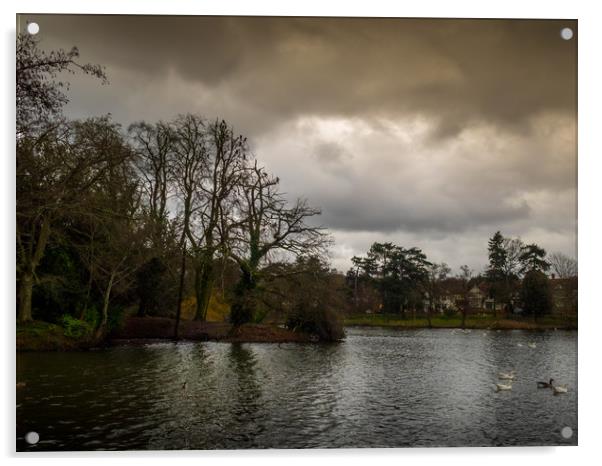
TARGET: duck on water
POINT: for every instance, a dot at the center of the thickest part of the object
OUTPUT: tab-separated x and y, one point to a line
556	388
545	384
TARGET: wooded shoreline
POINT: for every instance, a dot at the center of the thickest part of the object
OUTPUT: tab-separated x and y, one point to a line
41	336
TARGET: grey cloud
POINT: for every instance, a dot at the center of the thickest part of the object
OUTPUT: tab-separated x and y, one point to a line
427	132
367	210
454	71
330	153
486	177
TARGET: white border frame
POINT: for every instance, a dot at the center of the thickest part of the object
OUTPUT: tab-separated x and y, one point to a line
590	103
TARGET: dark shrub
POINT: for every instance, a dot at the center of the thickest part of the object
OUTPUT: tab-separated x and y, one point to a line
155	288
323	323
536	294
75	328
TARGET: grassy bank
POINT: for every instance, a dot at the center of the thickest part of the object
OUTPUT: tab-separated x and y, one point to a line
43	336
473	321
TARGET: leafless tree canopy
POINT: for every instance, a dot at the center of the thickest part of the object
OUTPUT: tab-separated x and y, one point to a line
125	203
563	265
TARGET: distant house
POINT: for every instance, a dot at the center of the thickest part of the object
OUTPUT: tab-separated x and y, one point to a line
564	294
451	297
479	300
564	291
451	301
476	297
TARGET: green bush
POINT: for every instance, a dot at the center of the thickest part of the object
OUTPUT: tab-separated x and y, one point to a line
75	328
91	316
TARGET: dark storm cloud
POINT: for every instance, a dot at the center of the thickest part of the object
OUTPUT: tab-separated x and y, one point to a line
372	214
455	71
428	132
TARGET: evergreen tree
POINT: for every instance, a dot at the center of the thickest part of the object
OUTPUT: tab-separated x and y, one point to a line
495	273
497	257
532	258
536	293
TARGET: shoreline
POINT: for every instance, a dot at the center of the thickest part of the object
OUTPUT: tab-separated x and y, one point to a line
42	336
472	323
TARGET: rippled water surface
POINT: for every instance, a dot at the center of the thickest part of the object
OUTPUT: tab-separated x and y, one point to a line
379	388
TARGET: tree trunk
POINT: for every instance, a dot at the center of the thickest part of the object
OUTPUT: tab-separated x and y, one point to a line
463	325
223	276
86	302
180	292
141	309
25	293
27	277
203	285
428	317
355	294
243	308
102	328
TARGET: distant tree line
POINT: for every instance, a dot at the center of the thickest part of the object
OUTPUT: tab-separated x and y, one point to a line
393	279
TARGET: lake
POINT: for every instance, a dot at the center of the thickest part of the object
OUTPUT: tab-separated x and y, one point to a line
379	388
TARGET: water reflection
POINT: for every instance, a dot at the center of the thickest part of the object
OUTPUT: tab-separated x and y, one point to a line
379	388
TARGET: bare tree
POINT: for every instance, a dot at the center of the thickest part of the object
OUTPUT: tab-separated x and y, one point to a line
262	224
563	265
191	153
513	248
154	149
210	165
40	98
54	172
109	224
51	170
114	259
226	167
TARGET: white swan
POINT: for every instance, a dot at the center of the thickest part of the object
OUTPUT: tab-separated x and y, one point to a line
507	375
558	390
520	345
531	344
501	386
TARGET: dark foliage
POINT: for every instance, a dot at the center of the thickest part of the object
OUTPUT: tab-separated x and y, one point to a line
400	275
536	294
156	289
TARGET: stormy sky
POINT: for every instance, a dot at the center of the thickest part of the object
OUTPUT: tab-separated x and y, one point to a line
424	132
